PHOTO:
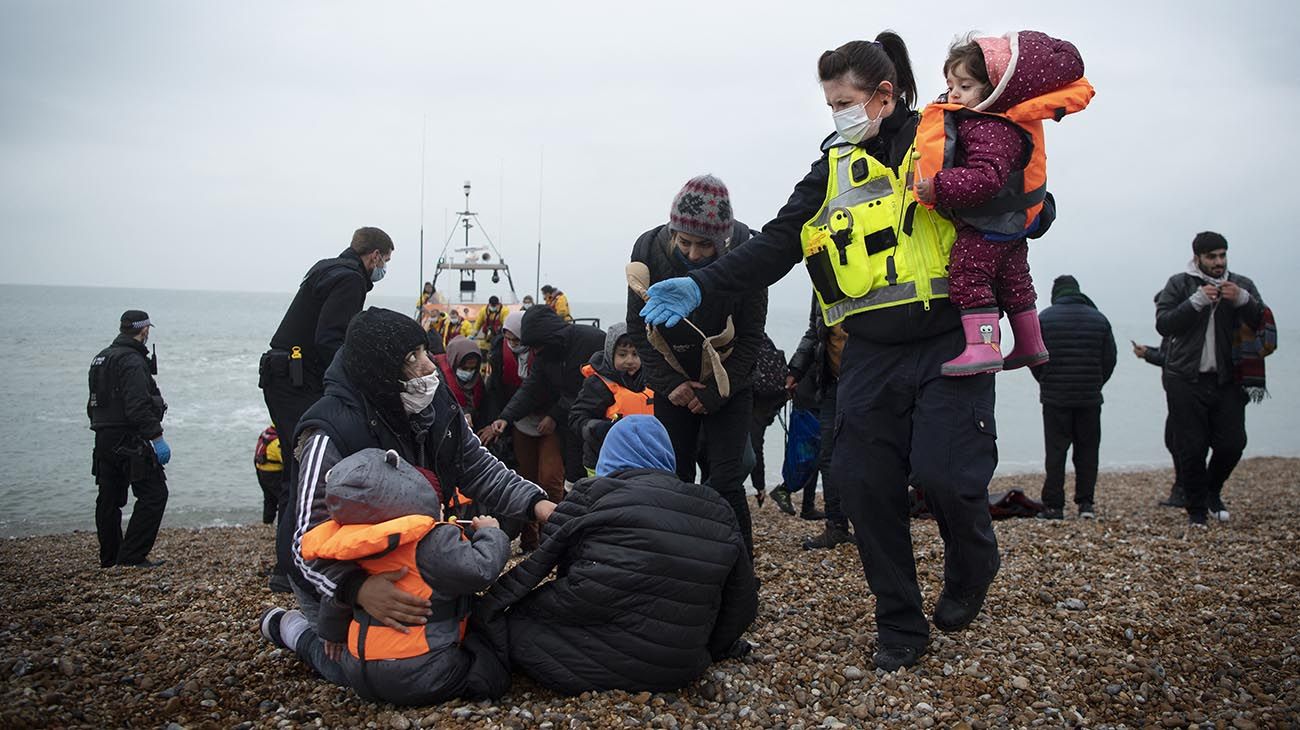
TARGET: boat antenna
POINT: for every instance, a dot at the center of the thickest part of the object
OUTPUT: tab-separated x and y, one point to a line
537	281
423	140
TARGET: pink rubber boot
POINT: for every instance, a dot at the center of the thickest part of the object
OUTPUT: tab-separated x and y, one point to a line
1029	350
982	353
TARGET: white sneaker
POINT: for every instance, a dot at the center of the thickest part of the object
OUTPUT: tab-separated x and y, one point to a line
1220	515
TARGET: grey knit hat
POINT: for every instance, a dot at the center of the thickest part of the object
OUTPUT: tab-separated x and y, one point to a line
702	208
374	485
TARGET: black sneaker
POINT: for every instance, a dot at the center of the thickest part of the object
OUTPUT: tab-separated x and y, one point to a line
813	515
1176	498
1086	511
830	537
146	563
1196	520
269	625
954	613
781	499
1051	514
893	658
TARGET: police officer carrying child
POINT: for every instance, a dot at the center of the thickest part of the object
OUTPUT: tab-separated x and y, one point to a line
126	410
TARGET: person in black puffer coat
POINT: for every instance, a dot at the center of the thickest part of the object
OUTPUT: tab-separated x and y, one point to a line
1083	357
653	581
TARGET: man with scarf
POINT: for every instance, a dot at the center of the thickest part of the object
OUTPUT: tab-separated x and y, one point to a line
1083	357
1200	310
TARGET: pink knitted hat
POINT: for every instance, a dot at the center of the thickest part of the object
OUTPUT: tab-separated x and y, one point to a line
997	56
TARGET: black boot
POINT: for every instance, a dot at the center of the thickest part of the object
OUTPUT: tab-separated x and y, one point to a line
834	534
810	511
1177	498
892	658
956	612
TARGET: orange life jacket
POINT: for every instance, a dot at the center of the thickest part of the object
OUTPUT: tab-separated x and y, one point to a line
380	548
627	402
1013	212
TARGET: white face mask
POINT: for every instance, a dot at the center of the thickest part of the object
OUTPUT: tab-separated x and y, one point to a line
854	125
419	392
465	376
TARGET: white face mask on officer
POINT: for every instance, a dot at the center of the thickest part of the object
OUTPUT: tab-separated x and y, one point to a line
853	123
418	392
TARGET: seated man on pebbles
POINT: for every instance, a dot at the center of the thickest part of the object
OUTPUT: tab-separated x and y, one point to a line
382	391
653	582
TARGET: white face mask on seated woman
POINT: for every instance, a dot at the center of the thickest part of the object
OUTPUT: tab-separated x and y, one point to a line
417	392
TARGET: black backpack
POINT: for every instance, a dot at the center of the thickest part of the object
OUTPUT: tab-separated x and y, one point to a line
769	371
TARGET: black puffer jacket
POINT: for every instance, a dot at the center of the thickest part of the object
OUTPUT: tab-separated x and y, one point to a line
652	585
1183	325
556	375
748	310
123	392
1082	349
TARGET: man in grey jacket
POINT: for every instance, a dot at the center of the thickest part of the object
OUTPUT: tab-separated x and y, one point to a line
1199	311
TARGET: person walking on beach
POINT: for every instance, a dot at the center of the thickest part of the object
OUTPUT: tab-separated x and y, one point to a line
291	373
878	261
1199	311
698	391
126	411
1069	387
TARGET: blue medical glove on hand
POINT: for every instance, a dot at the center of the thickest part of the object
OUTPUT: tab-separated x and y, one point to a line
163	451
670	300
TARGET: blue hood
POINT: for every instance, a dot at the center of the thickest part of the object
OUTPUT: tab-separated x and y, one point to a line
636	442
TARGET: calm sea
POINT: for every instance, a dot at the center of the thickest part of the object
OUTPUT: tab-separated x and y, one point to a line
209	342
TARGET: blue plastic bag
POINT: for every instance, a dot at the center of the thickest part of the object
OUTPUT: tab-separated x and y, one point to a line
803	445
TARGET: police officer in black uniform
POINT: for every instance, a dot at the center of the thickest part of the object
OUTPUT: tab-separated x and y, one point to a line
291	373
126	410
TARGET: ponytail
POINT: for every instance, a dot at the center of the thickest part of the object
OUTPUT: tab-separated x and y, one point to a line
868	63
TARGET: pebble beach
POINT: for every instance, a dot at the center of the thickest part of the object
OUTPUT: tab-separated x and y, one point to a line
1129	620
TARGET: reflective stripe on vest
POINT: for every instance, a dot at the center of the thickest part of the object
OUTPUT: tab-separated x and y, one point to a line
627	402
870	246
1013	211
380	548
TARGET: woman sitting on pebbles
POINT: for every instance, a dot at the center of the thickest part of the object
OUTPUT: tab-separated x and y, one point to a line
382	391
653	582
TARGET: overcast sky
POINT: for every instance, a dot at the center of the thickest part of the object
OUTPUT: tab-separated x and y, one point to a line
203	145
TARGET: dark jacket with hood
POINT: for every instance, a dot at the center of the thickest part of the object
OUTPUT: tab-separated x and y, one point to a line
747	306
772	252
652	579
331	293
1082	347
344	422
555	376
123	393
587	416
1183	323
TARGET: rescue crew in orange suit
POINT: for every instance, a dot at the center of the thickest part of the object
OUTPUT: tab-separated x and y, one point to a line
615	387
385	516
993	182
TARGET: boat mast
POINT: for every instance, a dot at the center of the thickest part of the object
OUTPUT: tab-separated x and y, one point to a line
423	140
537	281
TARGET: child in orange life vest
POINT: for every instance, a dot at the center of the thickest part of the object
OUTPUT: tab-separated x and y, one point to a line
384	515
615	387
993	183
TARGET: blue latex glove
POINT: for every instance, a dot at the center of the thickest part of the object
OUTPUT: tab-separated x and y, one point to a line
670	300
163	451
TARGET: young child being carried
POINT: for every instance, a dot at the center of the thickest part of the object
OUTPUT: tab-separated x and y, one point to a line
615	387
981	160
385	517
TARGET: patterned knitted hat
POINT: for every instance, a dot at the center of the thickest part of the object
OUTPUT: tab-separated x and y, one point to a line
702	208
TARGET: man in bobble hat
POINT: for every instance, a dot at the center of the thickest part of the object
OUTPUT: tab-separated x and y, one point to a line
126	411
1199	311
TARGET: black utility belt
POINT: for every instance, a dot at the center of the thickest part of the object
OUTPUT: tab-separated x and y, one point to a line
280	364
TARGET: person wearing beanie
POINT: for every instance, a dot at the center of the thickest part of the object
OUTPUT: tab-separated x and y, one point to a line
653	582
539	409
1069	386
382	391
983	186
690	399
126	411
291	373
1199	312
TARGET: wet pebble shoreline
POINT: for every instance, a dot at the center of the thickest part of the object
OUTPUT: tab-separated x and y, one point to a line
1125	621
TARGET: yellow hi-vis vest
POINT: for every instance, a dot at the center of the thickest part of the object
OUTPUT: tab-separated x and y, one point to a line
871	246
